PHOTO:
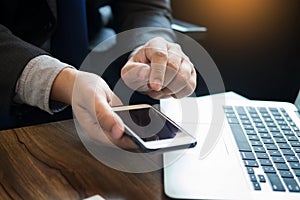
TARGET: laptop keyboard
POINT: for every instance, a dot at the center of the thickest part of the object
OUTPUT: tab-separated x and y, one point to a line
268	142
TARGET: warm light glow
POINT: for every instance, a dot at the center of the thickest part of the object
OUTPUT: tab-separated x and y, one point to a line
237	19
246	14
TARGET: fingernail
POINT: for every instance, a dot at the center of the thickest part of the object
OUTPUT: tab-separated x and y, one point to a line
116	131
156	84
118	128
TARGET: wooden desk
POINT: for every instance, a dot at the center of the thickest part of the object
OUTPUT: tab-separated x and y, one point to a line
48	161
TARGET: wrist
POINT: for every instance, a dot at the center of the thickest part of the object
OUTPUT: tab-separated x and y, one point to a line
62	88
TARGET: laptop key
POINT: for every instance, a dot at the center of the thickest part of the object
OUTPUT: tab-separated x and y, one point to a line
250	170
271	147
240	110
247	156
283	127
228	109
252	178
251	132
297	172
243	117
284	146
253	137
262	156
274	153
282	110
287	152
265	162
250	163
291	184
275	182
297	149
279	118
285	174
295	128
265	115
246	121
280	139
259	149
273	129
269	169
271	124
292	124
257	120
278	160
256	143
254	115
268	119
282	123
292	159
292	138
251	109
295	144
259	125
289	119
268	141
232	120
261	178
294	165
273	109
265	135
262	130
277	134
248	127
240	138
256	186
276	113
282	166
230	115
262	109
288	133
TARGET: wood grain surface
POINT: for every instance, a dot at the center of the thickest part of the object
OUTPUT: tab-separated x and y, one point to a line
48	161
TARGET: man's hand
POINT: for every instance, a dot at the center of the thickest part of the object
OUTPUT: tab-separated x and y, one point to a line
161	70
91	101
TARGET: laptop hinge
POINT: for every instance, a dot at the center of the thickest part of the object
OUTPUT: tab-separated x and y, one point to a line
297	101
298	114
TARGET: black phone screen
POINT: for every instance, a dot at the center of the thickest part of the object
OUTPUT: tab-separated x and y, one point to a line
148	124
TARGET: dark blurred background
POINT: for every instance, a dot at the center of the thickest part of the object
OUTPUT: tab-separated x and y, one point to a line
254	43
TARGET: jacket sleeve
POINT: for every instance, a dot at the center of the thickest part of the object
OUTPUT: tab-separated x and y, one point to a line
14	55
129	14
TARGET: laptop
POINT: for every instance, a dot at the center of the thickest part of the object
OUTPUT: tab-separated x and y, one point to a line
246	149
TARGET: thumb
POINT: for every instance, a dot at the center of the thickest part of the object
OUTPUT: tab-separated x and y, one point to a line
136	75
108	120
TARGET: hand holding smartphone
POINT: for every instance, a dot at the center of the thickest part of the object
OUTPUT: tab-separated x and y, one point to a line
152	130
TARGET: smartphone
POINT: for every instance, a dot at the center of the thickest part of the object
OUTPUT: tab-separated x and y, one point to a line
152	130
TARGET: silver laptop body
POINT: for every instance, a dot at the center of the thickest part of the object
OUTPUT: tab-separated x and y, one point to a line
246	149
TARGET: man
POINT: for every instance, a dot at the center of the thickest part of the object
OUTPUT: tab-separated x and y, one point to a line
32	76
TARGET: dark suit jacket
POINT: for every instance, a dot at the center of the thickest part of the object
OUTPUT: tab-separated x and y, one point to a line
25	25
